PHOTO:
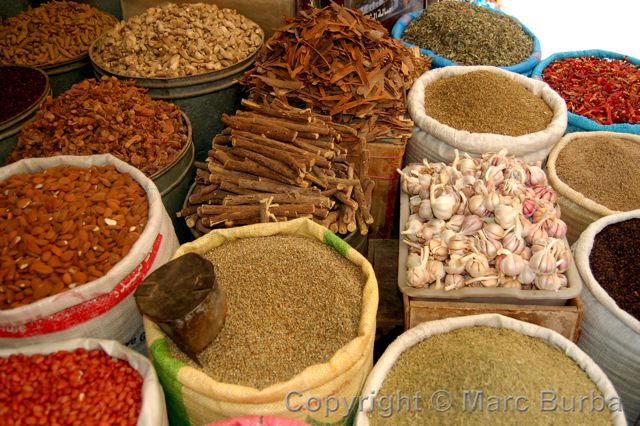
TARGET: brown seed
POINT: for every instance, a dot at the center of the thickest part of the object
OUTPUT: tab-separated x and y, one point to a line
60	248
41	290
41	268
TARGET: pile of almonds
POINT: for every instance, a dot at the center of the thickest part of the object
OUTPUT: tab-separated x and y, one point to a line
177	40
55	32
64	227
106	117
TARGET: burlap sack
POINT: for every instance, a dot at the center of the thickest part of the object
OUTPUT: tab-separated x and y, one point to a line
194	398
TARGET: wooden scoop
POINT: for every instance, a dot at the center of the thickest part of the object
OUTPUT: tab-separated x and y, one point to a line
185	300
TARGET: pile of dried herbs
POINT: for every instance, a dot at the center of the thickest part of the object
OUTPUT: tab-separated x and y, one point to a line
474	375
469	35
340	63
486	102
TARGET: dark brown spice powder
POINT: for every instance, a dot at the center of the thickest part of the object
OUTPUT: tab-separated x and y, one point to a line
486	102
20	88
599	168
614	263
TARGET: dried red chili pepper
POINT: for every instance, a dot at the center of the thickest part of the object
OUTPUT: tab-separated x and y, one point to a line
604	90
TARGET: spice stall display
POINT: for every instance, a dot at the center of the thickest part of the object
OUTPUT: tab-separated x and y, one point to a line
489	224
607	259
79	234
110	116
602	89
189	54
342	64
26	88
590	173
88	381
276	162
482	113
475	364
55	37
461	33
285	290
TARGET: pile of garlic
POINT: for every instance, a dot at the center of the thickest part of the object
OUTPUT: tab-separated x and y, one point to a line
483	222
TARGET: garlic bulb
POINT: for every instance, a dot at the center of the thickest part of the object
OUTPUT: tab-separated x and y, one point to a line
453	282
493	231
509	263
476	265
455	265
506	216
442	204
471	224
438	249
484	222
548	282
425	211
543	262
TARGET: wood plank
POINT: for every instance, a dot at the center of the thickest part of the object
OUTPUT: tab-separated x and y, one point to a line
383	256
563	319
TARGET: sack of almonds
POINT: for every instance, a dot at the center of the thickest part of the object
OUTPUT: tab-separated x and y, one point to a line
79	235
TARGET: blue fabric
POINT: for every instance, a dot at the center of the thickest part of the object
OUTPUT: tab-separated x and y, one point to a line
578	122
437	61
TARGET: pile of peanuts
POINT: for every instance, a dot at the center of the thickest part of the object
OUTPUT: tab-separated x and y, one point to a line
79	387
106	116
64	227
177	40
55	32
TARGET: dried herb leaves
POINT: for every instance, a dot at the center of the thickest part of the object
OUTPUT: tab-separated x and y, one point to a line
469	35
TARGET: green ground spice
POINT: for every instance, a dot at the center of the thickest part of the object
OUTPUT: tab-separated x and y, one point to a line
469	35
602	169
498	362
292	302
486	102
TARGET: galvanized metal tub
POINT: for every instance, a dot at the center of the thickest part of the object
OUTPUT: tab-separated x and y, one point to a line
174	180
354	239
10	129
65	74
204	97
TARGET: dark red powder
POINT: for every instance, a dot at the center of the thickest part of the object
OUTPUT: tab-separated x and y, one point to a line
20	88
614	263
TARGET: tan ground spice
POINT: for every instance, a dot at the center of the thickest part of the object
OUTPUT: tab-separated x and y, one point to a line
292	302
603	169
498	362
485	102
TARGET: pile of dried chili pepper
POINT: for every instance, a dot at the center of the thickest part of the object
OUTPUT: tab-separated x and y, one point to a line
604	90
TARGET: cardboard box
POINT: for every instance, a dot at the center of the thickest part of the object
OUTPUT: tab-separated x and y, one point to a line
266	13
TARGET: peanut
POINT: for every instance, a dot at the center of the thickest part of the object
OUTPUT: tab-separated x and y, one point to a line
55	32
177	40
73	245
